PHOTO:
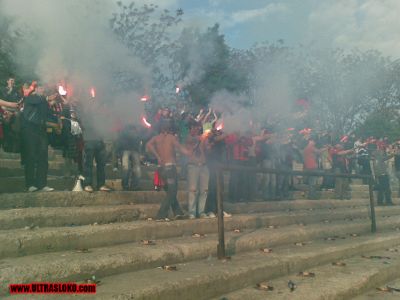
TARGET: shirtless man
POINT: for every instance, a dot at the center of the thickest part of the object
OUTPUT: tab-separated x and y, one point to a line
164	147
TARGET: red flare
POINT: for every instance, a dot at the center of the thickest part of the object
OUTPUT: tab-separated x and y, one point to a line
145	122
28	90
92	92
305	131
144	98
220	126
178	89
62	91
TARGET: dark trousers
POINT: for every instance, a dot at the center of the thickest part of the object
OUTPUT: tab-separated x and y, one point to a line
211	203
239	184
35	148
365	168
384	192
94	150
170	177
283	182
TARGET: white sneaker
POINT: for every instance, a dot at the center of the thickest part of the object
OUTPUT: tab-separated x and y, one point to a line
47	189
32	189
226	215
88	189
203	216
191	217
211	215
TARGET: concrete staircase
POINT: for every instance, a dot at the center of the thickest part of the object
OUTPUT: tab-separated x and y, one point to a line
67	236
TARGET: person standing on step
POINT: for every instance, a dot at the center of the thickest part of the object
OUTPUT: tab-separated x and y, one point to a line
34	139
397	164
92	117
340	165
310	154
215	154
381	173
198	174
164	147
128	148
11	117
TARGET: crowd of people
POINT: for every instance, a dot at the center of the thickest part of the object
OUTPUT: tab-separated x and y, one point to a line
35	116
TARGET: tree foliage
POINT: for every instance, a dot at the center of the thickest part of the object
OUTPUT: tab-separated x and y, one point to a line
206	64
7	43
147	32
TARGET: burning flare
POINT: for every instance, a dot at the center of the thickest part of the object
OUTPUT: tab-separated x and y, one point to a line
144	98
145	122
178	89
62	91
92	92
220	126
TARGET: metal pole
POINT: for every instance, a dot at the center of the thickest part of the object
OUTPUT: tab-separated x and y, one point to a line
372	204
220	213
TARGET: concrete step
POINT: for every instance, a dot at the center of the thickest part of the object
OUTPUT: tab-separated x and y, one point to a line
383	281
20	242
330	194
39	217
76	216
77	199
205	279
359	187
66	199
334	282
106	261
293	205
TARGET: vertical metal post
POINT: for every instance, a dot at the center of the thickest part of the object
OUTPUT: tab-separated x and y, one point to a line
220	213
372	204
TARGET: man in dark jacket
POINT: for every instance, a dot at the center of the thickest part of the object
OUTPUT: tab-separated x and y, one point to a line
10	117
34	140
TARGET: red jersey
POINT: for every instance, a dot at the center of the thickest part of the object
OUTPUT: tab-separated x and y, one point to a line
240	146
310	157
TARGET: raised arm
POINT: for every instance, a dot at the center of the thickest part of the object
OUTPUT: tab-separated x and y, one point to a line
199	116
215	117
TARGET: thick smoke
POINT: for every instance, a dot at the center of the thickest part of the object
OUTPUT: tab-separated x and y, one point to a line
270	100
71	41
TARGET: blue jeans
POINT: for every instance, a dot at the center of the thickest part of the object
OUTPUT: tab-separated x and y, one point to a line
170	177
130	164
198	176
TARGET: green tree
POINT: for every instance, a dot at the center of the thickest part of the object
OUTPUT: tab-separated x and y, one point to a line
381	123
7	43
147	32
206	65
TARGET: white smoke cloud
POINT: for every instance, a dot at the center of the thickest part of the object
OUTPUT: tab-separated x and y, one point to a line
73	42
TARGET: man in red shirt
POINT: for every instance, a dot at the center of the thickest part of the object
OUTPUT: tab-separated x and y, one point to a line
238	149
310	155
341	165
